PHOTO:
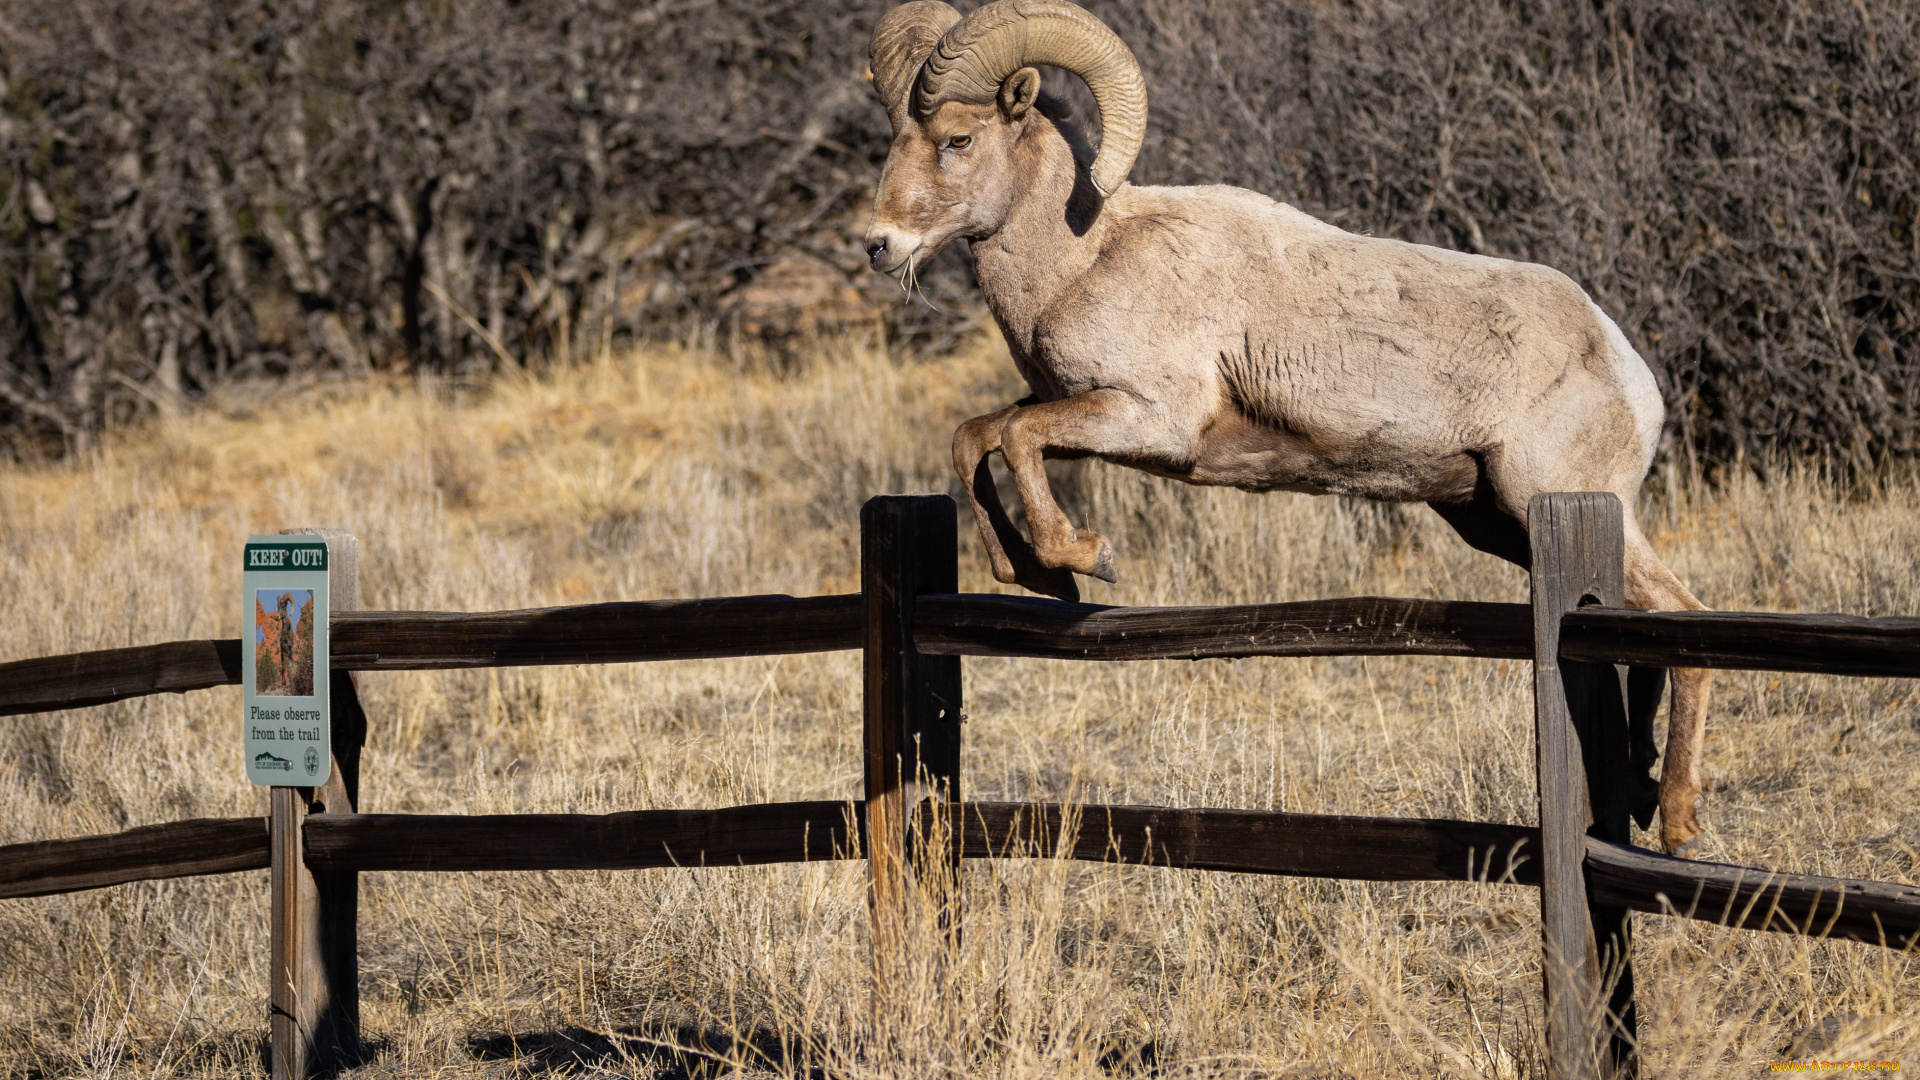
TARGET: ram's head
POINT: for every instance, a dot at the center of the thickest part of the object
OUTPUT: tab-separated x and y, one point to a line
961	94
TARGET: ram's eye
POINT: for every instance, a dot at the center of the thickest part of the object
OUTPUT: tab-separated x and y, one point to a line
959	142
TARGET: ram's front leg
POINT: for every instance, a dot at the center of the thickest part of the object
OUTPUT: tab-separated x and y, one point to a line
1100	422
1011	556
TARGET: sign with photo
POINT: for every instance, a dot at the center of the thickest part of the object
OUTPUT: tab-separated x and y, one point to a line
283	661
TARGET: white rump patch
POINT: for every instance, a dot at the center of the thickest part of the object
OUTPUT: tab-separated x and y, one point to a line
1636	382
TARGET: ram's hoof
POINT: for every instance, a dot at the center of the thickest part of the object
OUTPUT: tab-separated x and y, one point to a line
1104	568
1100	566
1680	831
1687	850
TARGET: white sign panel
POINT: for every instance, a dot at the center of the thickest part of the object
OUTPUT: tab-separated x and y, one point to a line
284	661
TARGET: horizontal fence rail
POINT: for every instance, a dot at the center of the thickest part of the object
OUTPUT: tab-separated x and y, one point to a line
76	680
1887	646
176	849
1875	912
1240	841
989	625
1256	841
995	625
428	640
634	840
615	633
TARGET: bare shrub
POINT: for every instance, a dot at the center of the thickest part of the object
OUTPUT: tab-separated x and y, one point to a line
198	191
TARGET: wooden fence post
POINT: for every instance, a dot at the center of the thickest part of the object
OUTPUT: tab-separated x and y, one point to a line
908	546
1581	741
315	981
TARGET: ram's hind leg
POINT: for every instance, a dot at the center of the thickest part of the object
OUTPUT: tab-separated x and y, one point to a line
1652	586
1011	556
1484	522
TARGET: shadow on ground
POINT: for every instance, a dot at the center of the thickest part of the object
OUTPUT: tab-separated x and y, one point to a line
690	1053
678	1053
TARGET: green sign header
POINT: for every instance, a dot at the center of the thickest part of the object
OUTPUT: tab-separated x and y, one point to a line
301	556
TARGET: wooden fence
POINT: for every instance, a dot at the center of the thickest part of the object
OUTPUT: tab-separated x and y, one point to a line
914	628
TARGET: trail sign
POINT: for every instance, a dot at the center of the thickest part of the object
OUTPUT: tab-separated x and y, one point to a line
284	659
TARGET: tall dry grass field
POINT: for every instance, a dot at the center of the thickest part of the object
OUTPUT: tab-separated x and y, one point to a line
675	474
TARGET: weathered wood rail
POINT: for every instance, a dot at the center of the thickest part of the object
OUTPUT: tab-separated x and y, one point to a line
914	629
995	625
176	849
431	640
1235	841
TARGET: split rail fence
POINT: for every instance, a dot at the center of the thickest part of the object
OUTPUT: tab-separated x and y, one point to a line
1594	660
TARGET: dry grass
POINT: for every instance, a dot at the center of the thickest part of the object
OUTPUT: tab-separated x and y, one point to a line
669	473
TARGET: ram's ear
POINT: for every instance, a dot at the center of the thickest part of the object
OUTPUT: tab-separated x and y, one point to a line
1019	92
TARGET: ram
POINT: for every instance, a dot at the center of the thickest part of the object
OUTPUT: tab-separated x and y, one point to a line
1215	336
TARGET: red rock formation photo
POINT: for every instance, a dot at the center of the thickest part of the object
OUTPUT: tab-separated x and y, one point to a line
283	642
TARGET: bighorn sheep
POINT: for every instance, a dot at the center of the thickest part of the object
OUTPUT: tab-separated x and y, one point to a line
1215	336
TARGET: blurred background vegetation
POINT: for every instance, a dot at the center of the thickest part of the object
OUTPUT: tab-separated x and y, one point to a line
199	192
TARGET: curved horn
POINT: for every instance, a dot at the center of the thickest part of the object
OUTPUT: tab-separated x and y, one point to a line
900	45
974	57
